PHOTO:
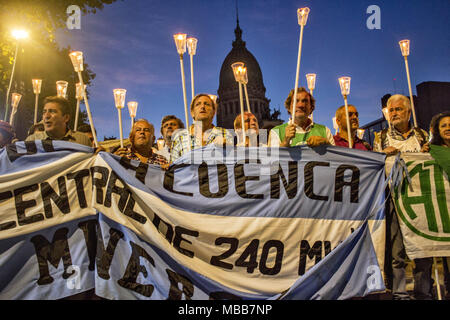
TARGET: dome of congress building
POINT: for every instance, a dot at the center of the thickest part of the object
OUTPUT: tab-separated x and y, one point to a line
228	92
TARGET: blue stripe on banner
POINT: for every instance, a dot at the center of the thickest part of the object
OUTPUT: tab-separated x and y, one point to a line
32	154
316	198
349	270
51	263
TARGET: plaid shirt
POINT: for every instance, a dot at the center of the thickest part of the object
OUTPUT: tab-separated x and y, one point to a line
71	136
182	139
153	159
380	144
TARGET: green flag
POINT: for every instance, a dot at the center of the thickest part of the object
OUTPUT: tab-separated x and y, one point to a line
442	157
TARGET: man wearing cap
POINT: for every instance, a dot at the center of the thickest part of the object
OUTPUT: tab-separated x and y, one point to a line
56	116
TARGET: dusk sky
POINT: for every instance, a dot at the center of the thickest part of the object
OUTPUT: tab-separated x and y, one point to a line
129	45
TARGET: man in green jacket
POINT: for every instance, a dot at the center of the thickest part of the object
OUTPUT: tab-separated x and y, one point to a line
303	130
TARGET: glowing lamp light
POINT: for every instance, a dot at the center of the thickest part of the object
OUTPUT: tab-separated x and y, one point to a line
180	42
15	99
79	91
132	108
213	98
61	88
19	34
302	15
311	80
360	133
335	125
344	82
192	46
77	60
244	75
385	113
37	83
160	143
238	71
119	98
404	47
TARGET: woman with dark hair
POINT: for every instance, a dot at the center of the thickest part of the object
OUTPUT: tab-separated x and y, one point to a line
440	151
440	128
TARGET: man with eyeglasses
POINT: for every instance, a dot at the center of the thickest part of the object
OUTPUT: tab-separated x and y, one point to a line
141	138
341	138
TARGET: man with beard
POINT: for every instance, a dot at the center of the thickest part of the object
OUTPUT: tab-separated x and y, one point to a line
141	139
56	116
402	137
169	125
341	138
303	130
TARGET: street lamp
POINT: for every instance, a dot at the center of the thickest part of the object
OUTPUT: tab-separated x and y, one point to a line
180	43
61	88
192	49
79	92
311	81
344	83
15	99
244	82
404	47
119	99
77	61
302	16
37	83
132	108
18	35
238	72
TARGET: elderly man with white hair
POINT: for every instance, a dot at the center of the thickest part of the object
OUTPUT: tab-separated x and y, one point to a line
402	137
142	136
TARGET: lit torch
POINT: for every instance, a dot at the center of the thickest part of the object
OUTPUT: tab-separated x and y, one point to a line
344	82
77	60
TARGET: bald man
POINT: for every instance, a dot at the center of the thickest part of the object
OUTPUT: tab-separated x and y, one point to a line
341	138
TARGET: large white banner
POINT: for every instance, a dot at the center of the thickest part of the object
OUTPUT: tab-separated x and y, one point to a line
422	203
306	224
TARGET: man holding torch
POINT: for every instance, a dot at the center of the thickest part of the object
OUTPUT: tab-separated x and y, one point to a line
142	136
341	138
203	132
303	130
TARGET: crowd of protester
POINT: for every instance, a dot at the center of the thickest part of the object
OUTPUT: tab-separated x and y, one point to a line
177	140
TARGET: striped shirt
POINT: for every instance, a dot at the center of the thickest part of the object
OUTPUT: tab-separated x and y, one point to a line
70	136
153	159
381	140
182	140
